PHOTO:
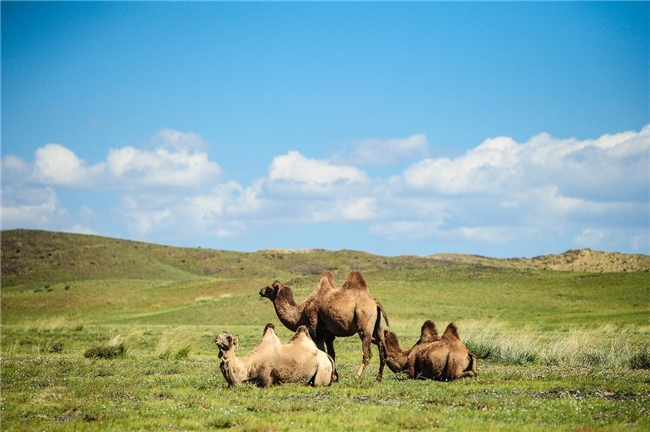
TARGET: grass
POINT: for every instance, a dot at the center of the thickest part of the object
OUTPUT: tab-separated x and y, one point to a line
569	350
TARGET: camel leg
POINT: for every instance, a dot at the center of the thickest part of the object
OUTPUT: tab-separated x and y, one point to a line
381	346
366	339
382	364
329	341
320	343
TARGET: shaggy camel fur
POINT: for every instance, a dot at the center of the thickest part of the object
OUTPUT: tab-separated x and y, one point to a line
330	311
441	358
272	362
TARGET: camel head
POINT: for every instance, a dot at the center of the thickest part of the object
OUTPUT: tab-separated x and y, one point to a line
226	343
271	291
395	357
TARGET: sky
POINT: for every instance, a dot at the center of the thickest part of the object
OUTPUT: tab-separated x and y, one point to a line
506	129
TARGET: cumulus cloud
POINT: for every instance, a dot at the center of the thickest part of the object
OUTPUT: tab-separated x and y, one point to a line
385	152
176	160
161	167
613	167
586	193
294	167
58	166
179	141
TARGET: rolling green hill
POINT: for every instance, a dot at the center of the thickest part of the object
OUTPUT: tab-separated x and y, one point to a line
94	279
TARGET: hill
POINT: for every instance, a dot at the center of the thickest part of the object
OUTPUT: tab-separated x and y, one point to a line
580	260
31	256
37	257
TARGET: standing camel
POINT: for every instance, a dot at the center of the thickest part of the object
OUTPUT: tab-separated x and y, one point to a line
290	313
329	312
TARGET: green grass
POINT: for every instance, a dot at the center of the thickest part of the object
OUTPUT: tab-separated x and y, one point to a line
569	350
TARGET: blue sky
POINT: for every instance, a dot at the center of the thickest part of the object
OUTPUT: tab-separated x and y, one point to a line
501	129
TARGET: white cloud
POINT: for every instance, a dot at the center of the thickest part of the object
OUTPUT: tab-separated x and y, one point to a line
387	151
58	166
591	193
484	169
294	167
161	167
28	207
613	167
176	161
179	141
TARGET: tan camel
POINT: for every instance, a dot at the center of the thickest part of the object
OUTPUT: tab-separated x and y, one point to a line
330	311
441	358
271	362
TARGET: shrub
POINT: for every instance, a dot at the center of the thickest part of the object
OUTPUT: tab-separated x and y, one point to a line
641	360
169	353
55	347
106	351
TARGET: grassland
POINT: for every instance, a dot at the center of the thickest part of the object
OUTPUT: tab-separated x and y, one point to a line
570	350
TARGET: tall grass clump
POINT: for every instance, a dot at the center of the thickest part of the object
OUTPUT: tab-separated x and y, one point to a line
173	345
641	359
573	347
105	351
113	348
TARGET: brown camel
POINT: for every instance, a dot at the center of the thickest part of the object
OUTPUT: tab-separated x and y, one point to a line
441	358
290	313
271	362
330	311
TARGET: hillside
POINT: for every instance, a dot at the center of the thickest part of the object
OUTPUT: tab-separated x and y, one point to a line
30	256
38	257
581	260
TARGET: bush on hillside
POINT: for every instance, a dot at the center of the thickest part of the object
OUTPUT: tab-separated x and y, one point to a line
641	360
106	351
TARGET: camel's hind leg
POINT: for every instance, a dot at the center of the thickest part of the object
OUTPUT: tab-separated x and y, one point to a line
366	340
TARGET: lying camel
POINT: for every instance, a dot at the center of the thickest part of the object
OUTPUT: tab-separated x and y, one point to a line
271	362
330	311
441	358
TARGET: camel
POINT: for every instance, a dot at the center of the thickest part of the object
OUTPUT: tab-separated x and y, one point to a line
441	358
271	362
330	311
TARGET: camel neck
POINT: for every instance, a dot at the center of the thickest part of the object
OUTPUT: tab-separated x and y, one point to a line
288	311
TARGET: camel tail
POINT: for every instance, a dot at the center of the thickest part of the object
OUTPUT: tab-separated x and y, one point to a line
476	356
381	310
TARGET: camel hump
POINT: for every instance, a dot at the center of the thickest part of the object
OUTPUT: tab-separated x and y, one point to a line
355	281
326	281
300	333
451	333
429	332
267	327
